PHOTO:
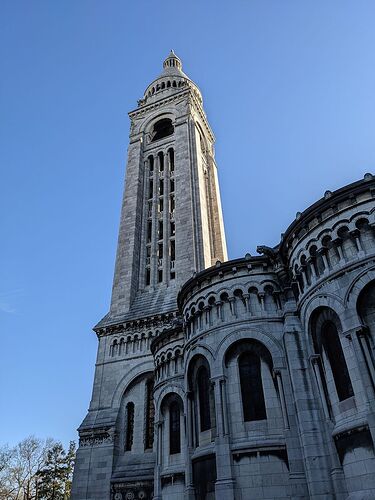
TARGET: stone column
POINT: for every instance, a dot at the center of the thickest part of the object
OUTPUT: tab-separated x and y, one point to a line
304	279
338	243
316	445
357	238
364	360
280	388
310	262
261	299
246	296
224	486
323	252
189	447
232	305
159	458
316	361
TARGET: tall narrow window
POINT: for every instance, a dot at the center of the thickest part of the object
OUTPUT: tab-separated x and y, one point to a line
149	231
161	187
251	387
151	189
148	276
129	426
172	185
160	230
173	250
174	429
173	228
171	159
161	162
151	164
172	204
150	415
204	399
336	358
172	256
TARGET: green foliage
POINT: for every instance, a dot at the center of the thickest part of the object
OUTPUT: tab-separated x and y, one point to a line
55	477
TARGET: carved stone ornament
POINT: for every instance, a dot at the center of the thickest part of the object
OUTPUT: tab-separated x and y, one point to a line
96	437
137	490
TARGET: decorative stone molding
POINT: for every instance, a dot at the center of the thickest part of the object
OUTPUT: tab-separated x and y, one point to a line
96	437
161	321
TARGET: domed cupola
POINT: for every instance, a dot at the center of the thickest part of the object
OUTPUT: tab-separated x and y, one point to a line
171	81
172	62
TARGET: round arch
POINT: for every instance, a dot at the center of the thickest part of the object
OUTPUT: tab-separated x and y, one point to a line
147	125
128	378
273	346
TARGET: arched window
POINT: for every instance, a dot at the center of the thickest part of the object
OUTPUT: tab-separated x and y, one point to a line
336	358
174	428
366	307
150	414
251	387
162	128
129	426
203	383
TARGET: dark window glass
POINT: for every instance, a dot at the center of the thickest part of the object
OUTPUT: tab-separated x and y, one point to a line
204	477
204	398
161	162
163	128
173	228
148	276
160	275
174	429
173	250
251	387
172	186
171	159
150	414
151	163
336	358
161	187
151	189
129	426
149	231
160	230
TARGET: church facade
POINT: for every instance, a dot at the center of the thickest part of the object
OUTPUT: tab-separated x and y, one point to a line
252	378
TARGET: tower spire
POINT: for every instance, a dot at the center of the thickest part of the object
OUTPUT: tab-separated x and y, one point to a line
172	61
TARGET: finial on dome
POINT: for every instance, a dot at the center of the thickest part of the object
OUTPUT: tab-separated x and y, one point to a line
172	61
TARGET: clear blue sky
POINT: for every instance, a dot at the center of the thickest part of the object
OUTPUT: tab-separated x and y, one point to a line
289	89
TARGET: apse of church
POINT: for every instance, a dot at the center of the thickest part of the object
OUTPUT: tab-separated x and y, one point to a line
216	379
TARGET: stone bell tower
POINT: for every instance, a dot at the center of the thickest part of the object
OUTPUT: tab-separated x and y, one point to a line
171	227
171	222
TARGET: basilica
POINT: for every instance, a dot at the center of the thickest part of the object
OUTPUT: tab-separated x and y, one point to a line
251	378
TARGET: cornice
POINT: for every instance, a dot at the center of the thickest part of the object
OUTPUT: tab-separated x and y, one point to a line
162	321
330	200
221	268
